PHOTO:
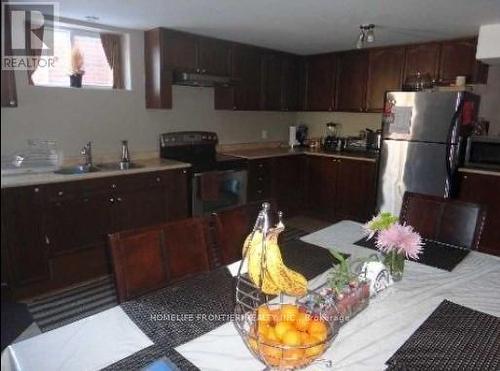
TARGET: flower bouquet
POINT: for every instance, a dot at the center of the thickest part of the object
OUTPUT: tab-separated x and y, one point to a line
397	242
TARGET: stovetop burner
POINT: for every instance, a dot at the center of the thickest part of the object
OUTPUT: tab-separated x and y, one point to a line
199	149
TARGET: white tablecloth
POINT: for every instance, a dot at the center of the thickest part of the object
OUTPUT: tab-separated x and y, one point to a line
368	340
89	344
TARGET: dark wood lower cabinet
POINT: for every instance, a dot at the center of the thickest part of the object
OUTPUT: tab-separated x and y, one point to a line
56	234
321	185
484	189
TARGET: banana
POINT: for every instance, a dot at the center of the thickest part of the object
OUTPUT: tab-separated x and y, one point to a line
276	277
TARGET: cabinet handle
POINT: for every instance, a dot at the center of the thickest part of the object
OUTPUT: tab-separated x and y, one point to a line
112	200
119	199
113	186
12	103
234	108
47	240
37	189
158	179
465	176
184	171
60	193
261	165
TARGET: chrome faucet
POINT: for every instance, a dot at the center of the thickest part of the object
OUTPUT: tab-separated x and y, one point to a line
87	155
125	161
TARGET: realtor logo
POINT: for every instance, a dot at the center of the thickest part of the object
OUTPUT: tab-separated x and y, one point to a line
27	34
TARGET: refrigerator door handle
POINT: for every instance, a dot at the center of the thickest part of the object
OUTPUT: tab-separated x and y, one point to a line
450	152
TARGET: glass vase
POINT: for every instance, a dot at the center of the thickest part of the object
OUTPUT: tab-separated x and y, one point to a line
396	264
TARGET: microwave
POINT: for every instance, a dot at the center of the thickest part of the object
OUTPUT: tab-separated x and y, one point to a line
483	152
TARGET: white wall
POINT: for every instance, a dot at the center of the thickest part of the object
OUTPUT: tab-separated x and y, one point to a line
490	100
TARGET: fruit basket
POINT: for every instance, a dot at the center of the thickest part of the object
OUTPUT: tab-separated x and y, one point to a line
269	316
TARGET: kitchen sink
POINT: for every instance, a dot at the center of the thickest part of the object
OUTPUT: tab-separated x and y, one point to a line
78	169
117	166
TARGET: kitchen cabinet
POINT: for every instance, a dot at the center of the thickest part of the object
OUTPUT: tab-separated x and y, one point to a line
259	179
25	247
423	58
483	189
214	56
9	92
180	51
288	183
158	80
340	188
355	191
385	68
321	185
351	81
290	80
271	82
56	234
320	82
458	58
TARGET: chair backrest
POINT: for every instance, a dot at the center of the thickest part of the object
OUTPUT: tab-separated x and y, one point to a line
444	220
149	258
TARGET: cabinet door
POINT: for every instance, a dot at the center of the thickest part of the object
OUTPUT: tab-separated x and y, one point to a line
22	210
483	189
76	219
458	58
214	56
288	183
423	58
351	83
178	196
180	51
289	84
321	185
246	69
355	196
271	82
385	68
320	82
9	93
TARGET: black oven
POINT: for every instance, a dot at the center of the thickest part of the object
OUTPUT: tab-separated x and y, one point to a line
483	152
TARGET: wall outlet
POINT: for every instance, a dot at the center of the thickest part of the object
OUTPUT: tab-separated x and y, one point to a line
264	134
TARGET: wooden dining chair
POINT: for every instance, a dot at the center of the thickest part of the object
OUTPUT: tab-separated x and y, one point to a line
444	220
149	258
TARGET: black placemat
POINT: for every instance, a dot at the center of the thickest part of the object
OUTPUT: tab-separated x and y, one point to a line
435	254
209	294
453	338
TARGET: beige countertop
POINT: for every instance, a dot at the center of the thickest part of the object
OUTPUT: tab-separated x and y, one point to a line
148	165
254	154
479	171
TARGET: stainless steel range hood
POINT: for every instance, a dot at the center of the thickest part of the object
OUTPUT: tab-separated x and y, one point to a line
201	79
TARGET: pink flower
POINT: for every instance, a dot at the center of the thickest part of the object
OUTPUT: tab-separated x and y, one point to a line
401	238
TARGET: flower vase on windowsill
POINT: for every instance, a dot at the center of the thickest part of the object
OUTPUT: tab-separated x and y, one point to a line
77	71
395	241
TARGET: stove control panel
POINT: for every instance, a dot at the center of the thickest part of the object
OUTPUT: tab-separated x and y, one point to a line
188	138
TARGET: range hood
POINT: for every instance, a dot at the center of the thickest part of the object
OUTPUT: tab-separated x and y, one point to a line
488	45
201	79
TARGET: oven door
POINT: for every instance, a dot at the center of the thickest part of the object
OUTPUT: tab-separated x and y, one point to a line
216	190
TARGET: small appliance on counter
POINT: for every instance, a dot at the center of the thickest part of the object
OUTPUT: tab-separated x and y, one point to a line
301	134
292	136
332	141
483	152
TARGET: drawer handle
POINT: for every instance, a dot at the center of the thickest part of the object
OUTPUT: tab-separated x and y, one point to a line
113	186
119	199
112	200
60	193
184	171
37	189
158	179
47	240
465	176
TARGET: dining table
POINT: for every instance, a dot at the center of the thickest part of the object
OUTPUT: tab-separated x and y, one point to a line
190	323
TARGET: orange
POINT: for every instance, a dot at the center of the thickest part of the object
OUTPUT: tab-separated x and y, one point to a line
302	321
313	351
263	314
271	335
289	312
281	328
291	338
318	329
262	329
303	337
275	315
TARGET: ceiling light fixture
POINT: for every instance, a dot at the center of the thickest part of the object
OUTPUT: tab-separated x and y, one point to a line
366	35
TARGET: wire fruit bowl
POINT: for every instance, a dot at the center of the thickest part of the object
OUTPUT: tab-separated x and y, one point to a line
278	329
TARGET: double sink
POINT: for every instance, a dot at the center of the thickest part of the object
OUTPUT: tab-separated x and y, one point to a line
108	166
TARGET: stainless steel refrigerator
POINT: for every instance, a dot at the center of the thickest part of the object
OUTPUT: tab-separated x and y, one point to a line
423	136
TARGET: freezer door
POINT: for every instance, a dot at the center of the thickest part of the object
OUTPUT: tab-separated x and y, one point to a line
412	166
421	116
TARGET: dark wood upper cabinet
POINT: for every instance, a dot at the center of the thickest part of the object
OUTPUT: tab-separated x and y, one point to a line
458	58
385	67
290	71
351	81
158	81
214	56
423	58
320	84
246	70
180	51
271	82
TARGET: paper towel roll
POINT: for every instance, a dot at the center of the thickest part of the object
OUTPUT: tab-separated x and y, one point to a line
292	139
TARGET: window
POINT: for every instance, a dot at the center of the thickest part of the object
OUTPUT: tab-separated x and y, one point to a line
97	70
